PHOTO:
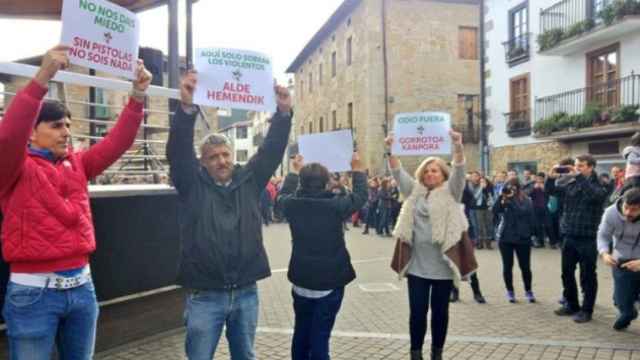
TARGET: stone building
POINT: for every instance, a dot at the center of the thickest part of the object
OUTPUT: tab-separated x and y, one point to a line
375	58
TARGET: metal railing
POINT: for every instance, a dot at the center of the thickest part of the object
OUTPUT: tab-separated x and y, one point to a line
517	48
610	94
566	14
518	123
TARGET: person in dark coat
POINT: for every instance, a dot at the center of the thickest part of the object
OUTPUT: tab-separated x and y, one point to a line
222	253
320	265
517	223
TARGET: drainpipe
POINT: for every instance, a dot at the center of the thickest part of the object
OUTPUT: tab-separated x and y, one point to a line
484	140
385	67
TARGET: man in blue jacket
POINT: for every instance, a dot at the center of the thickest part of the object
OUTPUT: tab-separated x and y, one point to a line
221	228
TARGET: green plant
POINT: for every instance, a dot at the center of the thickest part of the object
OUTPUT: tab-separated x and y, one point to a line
626	113
550	38
608	14
550	124
618	10
579	28
593	112
581	121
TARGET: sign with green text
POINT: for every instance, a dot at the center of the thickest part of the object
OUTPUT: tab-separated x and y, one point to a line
237	79
425	133
101	35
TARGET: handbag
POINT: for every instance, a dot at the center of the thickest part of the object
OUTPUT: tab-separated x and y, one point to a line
401	256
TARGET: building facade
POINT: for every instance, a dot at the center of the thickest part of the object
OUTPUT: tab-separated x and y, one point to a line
562	80
376	58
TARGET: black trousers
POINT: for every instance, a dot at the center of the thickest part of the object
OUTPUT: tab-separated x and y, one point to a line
582	252
523	252
422	294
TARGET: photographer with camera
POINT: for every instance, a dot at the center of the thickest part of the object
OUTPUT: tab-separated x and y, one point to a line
516	226
582	196
620	227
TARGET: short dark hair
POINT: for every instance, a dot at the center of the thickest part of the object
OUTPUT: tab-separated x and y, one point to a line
590	160
635	139
541	174
52	110
567	161
314	177
632	197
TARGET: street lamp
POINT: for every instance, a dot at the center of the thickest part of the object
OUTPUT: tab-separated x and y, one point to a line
468	106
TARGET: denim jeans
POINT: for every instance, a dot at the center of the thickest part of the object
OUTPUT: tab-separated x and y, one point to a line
36	318
314	322
209	311
626	285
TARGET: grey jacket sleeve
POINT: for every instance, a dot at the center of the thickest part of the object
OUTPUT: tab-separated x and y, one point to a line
457	181
606	230
404	180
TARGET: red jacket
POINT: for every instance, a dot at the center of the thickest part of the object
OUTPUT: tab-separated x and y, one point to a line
47	223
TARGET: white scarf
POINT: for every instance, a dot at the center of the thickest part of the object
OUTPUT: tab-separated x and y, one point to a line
447	217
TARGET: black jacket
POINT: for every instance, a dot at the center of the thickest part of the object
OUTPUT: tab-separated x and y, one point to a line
517	220
319	256
221	227
582	201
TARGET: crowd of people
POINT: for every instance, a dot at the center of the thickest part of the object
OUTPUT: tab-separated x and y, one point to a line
222	206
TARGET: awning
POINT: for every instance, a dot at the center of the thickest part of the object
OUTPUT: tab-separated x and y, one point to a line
50	9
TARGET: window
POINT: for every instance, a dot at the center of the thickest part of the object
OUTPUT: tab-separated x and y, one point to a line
350	115
310	127
242	155
602	76
301	129
520	93
333	64
101	130
349	51
468	43
101	112
242	132
519	21
334	120
349	22
321	125
310	83
320	74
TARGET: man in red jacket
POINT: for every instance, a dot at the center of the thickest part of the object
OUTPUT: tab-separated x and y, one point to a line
47	230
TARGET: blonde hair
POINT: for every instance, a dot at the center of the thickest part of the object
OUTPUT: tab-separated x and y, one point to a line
428	161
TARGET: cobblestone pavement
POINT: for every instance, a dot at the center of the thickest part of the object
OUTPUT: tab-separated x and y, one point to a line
373	321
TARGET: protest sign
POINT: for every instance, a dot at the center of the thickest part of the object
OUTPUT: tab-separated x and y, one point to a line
425	133
237	79
101	35
333	149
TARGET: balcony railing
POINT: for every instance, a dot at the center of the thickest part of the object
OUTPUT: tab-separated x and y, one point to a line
517	48
569	18
518	123
611	94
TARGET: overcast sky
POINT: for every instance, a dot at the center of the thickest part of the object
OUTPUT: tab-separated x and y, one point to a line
280	28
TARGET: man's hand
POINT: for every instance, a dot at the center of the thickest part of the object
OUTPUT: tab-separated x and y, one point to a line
633	265
283	99
297	163
54	60
143	77
356	163
609	260
388	141
188	87
456	137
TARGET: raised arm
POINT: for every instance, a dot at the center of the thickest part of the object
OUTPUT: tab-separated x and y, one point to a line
18	121
457	176
265	162
183	163
404	180
102	155
354	200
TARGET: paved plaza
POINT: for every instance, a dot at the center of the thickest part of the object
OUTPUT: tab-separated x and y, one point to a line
373	321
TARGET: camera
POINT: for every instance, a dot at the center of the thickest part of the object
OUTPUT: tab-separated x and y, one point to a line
507	190
562	169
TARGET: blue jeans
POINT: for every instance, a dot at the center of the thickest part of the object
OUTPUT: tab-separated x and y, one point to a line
626	288
314	322
208	311
37	318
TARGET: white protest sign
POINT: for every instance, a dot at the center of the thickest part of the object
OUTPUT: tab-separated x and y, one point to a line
101	35
425	133
237	79
334	149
